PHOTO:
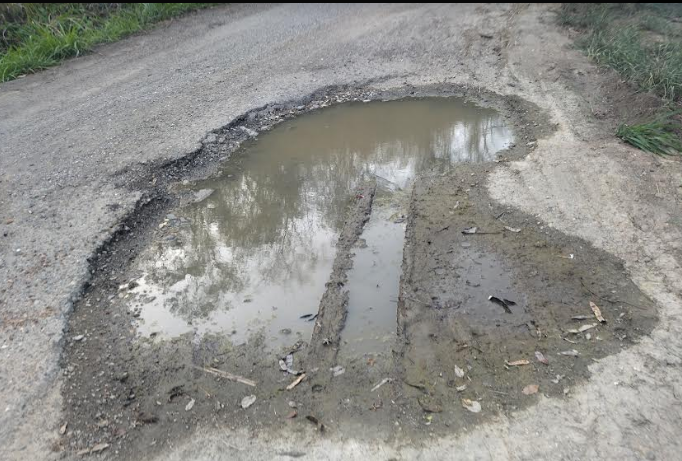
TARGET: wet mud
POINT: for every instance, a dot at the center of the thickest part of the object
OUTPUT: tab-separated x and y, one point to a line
437	348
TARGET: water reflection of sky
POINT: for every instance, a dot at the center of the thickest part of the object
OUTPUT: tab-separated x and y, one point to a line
258	251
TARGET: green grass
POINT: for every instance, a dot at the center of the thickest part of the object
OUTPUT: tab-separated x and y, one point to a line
659	136
642	42
35	36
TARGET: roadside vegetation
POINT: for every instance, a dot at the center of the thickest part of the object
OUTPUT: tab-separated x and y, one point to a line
643	43
35	36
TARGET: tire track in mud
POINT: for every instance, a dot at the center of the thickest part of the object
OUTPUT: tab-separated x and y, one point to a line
331	317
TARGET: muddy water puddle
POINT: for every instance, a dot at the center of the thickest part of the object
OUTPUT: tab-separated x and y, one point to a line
255	254
257	250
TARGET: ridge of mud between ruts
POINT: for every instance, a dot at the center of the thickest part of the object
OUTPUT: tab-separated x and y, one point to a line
134	394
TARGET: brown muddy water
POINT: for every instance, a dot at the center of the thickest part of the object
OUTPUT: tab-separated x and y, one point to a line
255	254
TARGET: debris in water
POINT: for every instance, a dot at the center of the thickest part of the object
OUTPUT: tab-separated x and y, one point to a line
597	312
461	388
296	382
228	375
429	404
470	230
517	363
285	331
305	316
500	302
381	383
580	317
541	358
248	401
471	405
312	318
509	302
512	229
531	389
314	420
459	372
62	430
570	353
292	414
190	405
337	370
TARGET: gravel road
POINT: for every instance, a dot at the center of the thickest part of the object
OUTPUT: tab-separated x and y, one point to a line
70	136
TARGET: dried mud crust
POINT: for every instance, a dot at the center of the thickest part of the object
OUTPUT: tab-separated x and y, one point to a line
134	394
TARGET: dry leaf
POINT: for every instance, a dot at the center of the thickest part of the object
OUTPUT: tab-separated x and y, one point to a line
459	372
99	447
531	389
541	358
471	405
517	363
292	414
597	312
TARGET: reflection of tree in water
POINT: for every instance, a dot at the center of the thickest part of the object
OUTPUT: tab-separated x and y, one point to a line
267	223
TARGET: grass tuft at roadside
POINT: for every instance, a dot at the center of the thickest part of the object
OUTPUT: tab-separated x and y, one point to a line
643	43
34	36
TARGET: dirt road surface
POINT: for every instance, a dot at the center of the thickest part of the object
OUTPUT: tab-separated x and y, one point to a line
76	139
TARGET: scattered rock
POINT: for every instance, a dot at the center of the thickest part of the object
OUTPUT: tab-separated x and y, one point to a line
248	401
78	338
190	405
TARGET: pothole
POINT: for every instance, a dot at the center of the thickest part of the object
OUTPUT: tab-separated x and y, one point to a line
361	213
254	255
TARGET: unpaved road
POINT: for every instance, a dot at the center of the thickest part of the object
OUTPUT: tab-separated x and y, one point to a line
73	136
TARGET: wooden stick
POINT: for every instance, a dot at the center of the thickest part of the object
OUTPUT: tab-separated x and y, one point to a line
227	375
